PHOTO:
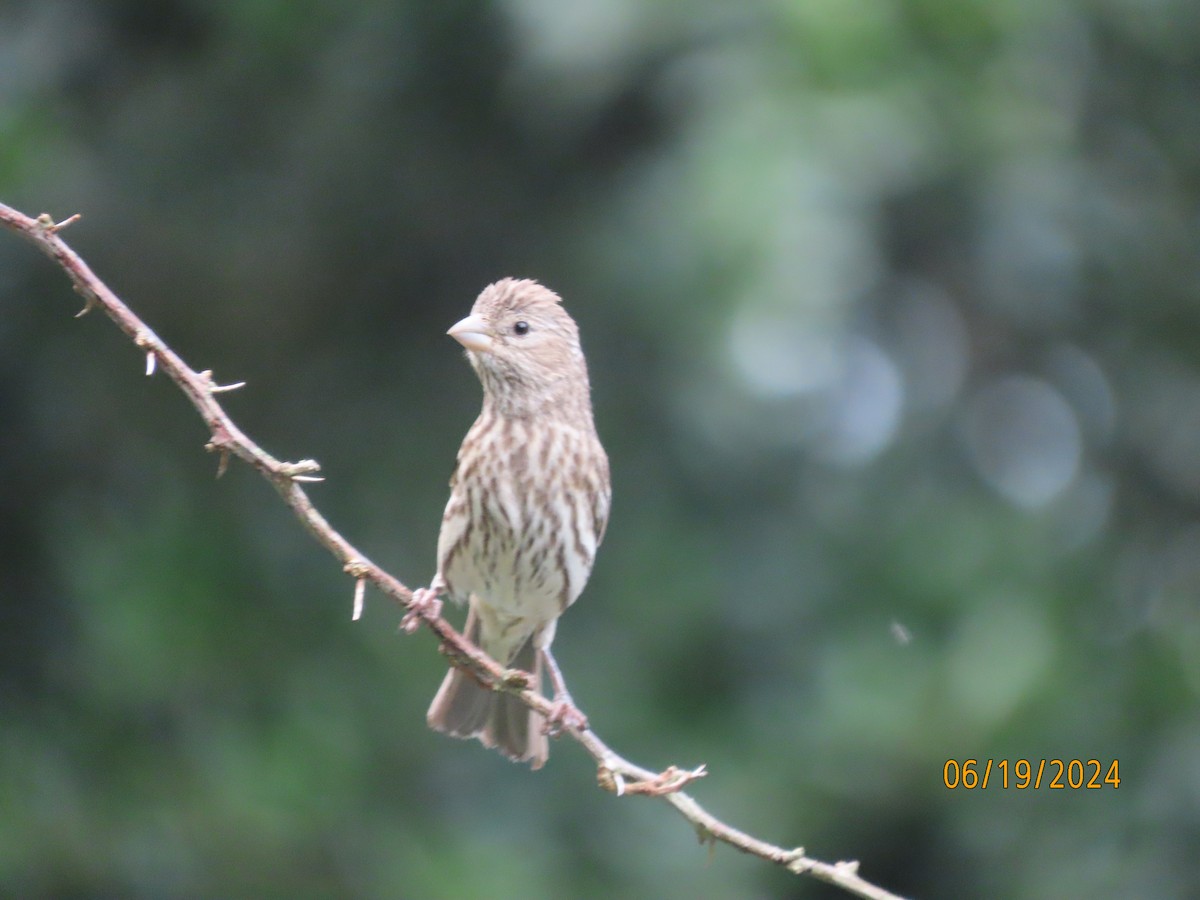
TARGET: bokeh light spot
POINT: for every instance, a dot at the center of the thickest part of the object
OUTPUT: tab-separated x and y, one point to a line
1023	439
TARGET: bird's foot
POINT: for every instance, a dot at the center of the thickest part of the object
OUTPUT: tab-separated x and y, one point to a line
564	715
563	711
425	604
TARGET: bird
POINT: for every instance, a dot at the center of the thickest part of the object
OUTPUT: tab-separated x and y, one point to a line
529	504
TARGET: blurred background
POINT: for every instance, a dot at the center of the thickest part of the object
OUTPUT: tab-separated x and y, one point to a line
892	316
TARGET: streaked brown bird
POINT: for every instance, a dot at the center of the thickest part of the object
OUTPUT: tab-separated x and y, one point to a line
529	502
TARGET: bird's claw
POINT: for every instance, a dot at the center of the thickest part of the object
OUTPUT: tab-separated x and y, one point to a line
564	715
425	604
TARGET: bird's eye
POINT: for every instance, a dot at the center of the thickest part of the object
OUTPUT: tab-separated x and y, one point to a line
521	328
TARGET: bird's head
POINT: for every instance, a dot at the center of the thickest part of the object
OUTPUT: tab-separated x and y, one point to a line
524	347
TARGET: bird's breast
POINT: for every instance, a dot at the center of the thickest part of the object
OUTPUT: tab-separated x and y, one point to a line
520	530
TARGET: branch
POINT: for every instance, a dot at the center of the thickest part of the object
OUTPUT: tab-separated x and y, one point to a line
615	773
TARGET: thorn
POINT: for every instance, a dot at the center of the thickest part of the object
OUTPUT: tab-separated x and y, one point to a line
213	388
304	470
360	592
220	442
798	863
69	220
89	302
358	569
669	781
303	467
151	362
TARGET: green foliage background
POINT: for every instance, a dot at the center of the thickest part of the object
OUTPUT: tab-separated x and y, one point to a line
892	316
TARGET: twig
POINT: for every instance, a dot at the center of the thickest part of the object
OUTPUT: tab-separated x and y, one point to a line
615	773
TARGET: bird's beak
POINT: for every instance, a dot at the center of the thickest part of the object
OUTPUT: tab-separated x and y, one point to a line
473	333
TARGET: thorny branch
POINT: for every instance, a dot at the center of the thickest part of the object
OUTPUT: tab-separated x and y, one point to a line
614	772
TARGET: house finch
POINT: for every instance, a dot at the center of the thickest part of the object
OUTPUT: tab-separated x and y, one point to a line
528	505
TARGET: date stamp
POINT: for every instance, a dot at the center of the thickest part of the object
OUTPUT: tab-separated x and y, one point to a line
1031	774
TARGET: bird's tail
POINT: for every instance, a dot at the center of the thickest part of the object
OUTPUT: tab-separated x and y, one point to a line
463	708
